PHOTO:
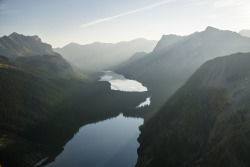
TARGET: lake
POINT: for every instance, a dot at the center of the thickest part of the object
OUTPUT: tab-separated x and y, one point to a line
147	102
120	83
109	143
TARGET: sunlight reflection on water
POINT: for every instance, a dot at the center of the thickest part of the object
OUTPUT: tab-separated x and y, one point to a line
145	103
119	82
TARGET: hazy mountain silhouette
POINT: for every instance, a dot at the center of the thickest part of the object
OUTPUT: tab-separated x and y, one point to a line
245	33
206	122
99	56
175	58
132	59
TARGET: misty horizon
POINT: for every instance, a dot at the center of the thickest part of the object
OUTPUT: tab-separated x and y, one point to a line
110	21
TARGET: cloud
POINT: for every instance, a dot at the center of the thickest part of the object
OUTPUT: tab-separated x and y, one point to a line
127	13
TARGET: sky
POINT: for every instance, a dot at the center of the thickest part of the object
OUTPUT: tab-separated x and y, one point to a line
60	22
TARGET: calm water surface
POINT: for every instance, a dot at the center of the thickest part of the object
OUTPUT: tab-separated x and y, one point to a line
120	83
109	143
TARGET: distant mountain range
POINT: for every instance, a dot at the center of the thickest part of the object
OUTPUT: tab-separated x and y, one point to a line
175	58
30	50
100	56
206	122
245	33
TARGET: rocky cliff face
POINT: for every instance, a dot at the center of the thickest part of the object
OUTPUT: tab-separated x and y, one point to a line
17	45
30	50
52	64
206	122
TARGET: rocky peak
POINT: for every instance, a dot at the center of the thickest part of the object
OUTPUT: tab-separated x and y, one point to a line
167	41
211	29
19	45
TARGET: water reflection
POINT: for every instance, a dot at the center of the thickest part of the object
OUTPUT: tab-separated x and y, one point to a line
119	82
145	103
109	143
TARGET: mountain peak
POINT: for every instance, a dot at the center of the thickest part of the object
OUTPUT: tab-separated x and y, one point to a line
167	41
13	34
72	44
209	28
16	45
16	35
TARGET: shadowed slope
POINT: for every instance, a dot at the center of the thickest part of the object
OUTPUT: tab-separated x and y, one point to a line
206	122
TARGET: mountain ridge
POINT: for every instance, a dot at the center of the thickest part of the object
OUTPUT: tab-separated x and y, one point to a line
172	66
18	45
245	33
101	56
206	122
30	50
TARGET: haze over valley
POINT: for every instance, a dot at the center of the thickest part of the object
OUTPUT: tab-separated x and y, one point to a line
124	83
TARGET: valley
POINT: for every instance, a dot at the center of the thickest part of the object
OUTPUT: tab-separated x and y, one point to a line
185	102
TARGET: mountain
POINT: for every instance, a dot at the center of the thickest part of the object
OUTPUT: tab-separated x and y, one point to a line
132	59
43	103
167	41
18	45
23	88
30	50
175	58
53	64
206	122
100	56
40	112
245	33
29	101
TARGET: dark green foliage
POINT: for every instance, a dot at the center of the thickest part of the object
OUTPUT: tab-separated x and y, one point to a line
183	128
206	122
27	95
230	145
53	64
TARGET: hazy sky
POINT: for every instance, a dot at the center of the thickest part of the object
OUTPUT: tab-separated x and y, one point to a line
59	22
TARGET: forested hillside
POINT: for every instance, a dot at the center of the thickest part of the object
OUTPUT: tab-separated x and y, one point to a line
206	122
